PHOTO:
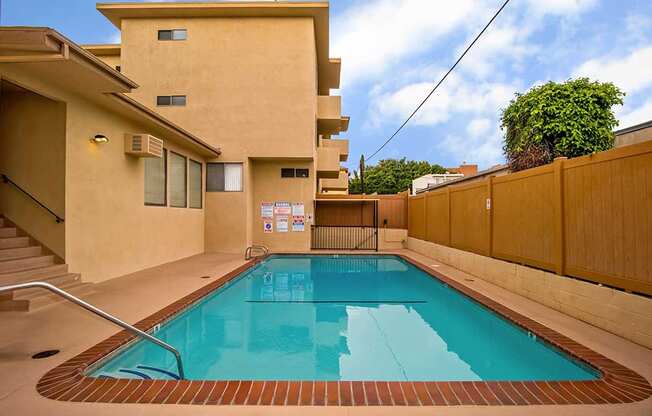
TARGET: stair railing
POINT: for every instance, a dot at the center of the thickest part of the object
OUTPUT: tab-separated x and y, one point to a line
6	180
137	332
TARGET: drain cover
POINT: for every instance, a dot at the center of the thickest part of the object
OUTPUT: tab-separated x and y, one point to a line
205	277
45	354
469	280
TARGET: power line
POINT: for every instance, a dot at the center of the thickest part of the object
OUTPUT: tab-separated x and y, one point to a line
441	80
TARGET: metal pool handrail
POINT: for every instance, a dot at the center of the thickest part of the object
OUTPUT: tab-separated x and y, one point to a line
101	313
248	255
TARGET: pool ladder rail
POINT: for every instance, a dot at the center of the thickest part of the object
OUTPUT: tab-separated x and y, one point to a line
251	249
137	332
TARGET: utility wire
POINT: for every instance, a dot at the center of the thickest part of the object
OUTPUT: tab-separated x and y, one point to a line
440	81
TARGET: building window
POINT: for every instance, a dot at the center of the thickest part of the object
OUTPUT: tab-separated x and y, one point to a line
287	173
174	34
156	180
223	177
178	180
194	179
294	173
168	100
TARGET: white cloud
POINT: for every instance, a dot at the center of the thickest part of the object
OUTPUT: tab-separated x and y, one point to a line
560	7
373	36
485	151
630	73
456	96
630	117
478	127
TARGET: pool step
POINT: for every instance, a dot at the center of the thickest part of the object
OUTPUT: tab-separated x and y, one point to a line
22	260
144	372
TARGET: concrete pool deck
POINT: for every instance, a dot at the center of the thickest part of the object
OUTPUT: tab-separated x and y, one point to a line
133	297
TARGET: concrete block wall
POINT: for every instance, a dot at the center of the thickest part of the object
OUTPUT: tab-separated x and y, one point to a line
624	314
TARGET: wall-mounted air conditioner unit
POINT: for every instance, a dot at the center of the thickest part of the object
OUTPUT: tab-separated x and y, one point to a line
143	145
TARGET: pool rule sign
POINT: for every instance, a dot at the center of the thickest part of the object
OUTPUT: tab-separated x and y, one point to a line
285	214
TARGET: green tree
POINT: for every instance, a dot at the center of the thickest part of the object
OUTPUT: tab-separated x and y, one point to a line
390	176
572	118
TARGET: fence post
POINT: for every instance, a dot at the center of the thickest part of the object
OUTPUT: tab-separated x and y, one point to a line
448	214
490	218
558	212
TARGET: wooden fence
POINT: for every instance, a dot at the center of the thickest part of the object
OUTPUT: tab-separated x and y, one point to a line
392	210
588	217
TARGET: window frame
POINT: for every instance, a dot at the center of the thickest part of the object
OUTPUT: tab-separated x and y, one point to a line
285	173
170	99
185	182
165	188
201	184
171	32
241	164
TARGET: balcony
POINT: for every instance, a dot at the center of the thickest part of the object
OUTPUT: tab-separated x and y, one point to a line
329	115
339	184
328	162
341	144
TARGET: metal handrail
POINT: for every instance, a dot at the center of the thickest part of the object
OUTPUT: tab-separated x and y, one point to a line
6	179
249	249
101	313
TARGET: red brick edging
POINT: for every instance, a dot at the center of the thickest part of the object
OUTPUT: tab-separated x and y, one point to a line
617	384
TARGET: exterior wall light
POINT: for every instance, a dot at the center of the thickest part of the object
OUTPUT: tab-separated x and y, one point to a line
99	139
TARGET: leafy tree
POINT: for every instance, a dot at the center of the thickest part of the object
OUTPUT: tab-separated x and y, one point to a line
391	176
572	118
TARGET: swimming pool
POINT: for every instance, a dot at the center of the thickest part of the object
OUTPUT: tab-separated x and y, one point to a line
334	318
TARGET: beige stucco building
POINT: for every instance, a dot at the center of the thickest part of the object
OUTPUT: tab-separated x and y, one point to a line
239	95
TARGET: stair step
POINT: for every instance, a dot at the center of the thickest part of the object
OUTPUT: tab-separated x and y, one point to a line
19	252
26	264
47	298
13	242
33	274
8	232
62	282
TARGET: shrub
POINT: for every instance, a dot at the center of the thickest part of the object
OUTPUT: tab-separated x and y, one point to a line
572	118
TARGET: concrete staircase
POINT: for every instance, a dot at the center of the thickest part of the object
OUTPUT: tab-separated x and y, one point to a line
22	259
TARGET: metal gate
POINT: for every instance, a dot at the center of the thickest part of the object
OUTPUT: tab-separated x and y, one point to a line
351	225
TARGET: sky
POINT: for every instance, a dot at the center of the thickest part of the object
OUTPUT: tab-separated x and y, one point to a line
394	51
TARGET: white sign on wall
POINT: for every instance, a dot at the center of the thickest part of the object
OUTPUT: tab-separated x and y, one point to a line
267	209
298	223
282	208
268	227
298	209
282	224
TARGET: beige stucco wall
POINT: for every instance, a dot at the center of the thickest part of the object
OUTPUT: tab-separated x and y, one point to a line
251	87
32	154
621	313
108	229
111	60
268	186
392	238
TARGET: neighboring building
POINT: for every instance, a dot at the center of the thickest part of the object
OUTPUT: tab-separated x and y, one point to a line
423	182
239	94
497	170
634	134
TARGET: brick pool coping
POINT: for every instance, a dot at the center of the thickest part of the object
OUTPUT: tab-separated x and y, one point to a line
616	384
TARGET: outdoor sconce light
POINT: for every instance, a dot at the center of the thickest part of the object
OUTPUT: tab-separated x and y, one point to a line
99	138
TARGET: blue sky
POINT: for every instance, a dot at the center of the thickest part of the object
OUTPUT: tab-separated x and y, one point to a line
394	50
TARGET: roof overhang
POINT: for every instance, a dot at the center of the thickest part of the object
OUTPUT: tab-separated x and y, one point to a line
46	51
109	49
328	69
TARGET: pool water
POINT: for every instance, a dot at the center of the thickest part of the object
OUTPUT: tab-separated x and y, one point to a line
343	318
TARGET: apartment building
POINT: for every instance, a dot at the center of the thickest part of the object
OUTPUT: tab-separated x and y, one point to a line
235	95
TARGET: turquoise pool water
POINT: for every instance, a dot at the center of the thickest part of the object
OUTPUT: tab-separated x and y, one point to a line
343	318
